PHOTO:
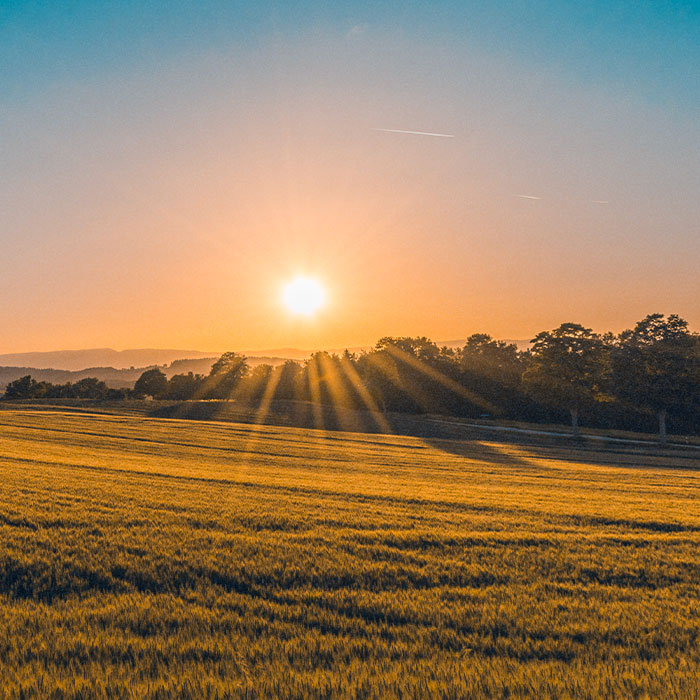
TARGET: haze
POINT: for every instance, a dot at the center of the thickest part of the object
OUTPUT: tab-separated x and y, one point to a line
165	168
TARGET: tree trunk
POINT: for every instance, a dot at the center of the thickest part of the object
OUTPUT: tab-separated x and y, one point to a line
574	422
662	426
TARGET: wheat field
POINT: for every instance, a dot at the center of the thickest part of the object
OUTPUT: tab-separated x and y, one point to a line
157	559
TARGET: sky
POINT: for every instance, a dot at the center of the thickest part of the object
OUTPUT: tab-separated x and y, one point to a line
166	167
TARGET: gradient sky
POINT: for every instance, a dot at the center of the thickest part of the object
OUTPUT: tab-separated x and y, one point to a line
166	166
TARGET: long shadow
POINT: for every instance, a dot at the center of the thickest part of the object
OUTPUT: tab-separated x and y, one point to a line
448	436
538	456
482	451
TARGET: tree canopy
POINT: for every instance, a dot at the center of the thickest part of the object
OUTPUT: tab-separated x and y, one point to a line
656	364
152	382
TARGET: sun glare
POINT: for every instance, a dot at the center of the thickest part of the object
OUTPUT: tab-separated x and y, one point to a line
303	295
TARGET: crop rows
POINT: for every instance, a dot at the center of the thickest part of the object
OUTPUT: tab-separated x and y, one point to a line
144	558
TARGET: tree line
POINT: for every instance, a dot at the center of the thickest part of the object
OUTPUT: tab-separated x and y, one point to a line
88	388
645	377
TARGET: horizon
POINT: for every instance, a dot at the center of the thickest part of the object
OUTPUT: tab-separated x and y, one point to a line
174	354
336	348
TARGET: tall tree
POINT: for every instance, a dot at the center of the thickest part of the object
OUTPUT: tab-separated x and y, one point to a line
566	368
656	365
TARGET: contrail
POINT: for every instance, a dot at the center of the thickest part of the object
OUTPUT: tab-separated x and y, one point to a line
417	133
600	201
527	196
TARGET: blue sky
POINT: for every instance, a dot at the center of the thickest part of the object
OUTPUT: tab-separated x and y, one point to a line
652	48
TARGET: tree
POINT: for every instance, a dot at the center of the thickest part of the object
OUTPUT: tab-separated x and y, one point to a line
414	375
22	388
390	374
491	358
567	368
90	388
225	375
288	380
152	382
117	394
182	387
256	383
657	365
420	347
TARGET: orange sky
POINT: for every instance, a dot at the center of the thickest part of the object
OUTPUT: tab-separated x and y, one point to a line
166	207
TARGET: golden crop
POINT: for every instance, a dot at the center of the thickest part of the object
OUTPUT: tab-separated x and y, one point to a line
158	559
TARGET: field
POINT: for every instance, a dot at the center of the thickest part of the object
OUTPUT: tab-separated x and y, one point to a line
153	558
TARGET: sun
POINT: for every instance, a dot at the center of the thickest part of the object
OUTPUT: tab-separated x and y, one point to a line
303	295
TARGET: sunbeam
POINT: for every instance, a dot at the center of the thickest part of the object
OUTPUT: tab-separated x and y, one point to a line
352	375
315	392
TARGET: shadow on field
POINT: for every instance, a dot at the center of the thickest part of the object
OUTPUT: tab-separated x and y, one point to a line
476	450
448	436
539	455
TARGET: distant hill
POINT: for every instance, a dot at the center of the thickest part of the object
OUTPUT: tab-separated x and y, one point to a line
75	360
99	357
117	378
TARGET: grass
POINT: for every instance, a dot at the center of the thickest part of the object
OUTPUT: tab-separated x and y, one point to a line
157	559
